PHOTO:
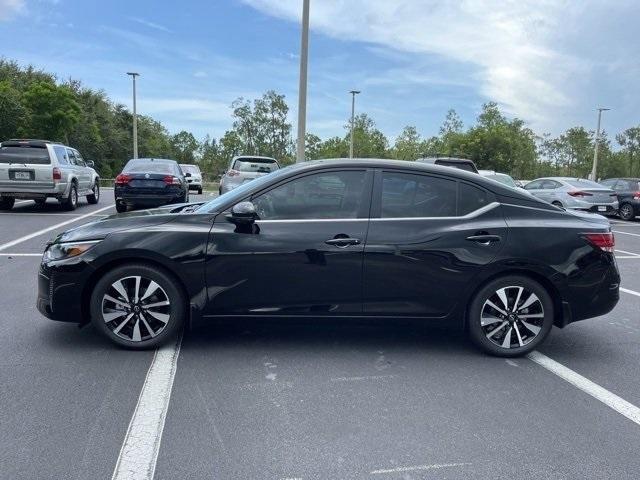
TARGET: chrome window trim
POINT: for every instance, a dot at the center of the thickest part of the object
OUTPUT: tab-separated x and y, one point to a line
473	214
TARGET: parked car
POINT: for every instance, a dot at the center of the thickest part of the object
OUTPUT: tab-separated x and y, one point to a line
499	177
193	175
245	168
347	238
40	169
574	194
461	163
628	194
150	182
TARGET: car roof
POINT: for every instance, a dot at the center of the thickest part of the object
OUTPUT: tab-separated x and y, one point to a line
31	142
158	160
238	157
448	159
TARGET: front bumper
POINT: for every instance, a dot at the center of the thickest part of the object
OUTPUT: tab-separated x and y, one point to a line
59	292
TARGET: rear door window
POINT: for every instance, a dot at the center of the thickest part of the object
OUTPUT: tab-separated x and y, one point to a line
25	155
471	198
406	195
535	185
71	156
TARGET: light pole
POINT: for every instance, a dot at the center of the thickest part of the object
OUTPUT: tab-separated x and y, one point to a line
353	112
135	115
595	150
302	88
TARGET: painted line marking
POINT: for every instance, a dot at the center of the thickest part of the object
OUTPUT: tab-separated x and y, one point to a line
45	214
139	452
20	254
610	399
628	253
434	466
366	377
630	292
4	246
628	257
626	233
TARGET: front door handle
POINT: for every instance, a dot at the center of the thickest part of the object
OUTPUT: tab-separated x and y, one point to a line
484	239
342	242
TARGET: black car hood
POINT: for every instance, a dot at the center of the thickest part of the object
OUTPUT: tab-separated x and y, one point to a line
138	219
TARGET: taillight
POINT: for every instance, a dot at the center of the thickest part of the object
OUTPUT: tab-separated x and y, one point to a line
578	193
233	173
171	180
604	241
57	174
123	179
636	196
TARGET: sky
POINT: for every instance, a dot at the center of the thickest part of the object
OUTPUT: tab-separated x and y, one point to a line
548	62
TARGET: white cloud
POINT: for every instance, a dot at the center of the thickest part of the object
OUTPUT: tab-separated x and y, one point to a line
8	8
147	23
523	54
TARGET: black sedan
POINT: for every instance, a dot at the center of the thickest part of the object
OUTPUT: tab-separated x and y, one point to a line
628	194
150	182
358	238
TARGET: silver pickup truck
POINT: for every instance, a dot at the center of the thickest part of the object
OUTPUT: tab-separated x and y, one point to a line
40	169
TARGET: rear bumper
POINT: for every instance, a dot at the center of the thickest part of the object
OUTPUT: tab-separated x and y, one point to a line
27	192
149	199
609	208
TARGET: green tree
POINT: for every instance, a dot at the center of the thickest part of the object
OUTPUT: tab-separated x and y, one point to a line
629	140
185	147
52	111
408	145
12	112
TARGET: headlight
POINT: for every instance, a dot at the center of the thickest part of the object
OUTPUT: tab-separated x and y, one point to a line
60	251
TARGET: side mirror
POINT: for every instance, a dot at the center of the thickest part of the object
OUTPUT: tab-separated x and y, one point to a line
187	174
90	163
243	213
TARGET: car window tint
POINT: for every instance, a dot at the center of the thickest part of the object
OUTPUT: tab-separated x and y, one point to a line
61	155
549	185
318	196
79	159
149	167
71	156
26	155
406	195
535	185
582	183
622	185
471	198
261	165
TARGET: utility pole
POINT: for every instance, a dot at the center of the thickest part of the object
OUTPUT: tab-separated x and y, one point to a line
135	115
302	88
595	150
353	112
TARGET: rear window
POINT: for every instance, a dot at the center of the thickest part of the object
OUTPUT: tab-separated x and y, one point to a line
504	179
262	165
580	183
468	167
28	155
149	167
190	169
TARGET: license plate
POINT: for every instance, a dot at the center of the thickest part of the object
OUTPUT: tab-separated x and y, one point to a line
602	208
22	176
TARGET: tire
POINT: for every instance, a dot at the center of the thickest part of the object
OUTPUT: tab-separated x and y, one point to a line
94	197
200	191
71	202
626	212
512	335
6	203
129	323
121	207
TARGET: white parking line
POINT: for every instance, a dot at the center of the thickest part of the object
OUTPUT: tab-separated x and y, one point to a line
4	246
139	452
434	466
628	253
630	292
626	233
610	399
20	254
46	214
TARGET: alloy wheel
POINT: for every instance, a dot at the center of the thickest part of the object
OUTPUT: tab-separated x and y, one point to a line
626	212
512	317
136	308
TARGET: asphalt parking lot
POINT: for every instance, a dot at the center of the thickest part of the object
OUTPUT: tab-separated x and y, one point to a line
310	400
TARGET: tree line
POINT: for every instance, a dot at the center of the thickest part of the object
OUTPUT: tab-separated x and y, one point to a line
35	104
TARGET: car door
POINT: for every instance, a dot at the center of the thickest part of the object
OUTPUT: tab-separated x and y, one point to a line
429	236
84	172
303	256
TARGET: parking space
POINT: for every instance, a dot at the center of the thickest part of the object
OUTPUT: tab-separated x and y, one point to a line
305	400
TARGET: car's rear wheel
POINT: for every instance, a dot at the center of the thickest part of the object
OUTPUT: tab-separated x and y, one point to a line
71	202
200	191
626	211
40	201
94	197
121	207
6	203
138	306
510	316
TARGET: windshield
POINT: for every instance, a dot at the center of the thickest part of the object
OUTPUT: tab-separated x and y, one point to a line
242	191
32	155
502	178
262	165
149	167
581	183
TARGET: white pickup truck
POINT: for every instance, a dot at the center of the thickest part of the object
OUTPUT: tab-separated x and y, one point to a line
40	169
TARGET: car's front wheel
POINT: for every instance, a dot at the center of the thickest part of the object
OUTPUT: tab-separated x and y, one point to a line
71	202
138	306
626	211
510	316
94	197
6	203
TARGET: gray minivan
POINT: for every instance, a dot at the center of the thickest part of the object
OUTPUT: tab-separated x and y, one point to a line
40	169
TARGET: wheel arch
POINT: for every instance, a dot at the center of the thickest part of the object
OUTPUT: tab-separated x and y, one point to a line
548	285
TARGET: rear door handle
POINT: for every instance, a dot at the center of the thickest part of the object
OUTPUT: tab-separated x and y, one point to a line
484	239
343	242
